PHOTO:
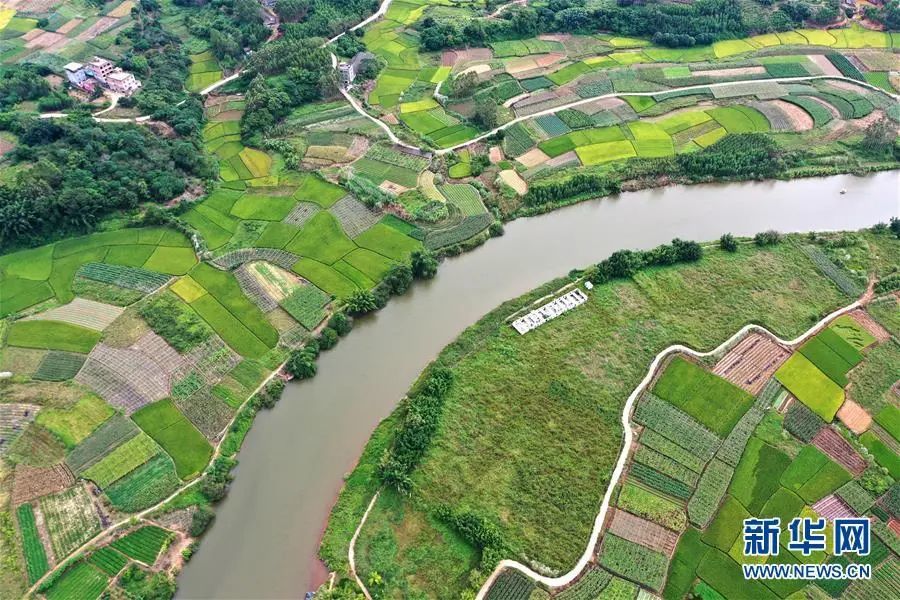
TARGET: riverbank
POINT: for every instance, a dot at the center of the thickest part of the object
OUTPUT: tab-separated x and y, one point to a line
530	429
322	417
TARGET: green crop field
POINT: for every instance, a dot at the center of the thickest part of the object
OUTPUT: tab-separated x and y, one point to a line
713	401
144	486
263	208
757	474
603	152
74	423
70	518
52	335
143	544
163	422
387	241
122	460
318	191
108	560
811	386
372	265
321	239
32	547
306	304
224	287
81	581
324	277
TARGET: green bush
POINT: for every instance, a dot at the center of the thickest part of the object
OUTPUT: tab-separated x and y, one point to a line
175	322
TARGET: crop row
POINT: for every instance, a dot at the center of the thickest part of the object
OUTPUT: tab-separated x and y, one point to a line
634	561
35	557
143	544
516	141
847	68
667	447
510	585
665	465
398	159
128	277
469	227
665	419
661	483
588	587
710	490
832	271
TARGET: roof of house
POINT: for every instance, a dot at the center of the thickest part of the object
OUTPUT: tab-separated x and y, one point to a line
120	75
73	66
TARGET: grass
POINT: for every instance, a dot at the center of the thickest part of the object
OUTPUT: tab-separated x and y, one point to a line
810	386
713	401
524	417
52	335
179	438
74	423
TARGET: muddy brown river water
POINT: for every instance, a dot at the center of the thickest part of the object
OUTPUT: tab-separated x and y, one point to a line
264	540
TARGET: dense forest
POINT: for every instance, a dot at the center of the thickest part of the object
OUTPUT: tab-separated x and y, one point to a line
669	24
230	26
322	18
284	74
76	172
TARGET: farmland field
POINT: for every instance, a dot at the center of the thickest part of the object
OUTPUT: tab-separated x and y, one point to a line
163	422
143	544
81	581
32	547
71	519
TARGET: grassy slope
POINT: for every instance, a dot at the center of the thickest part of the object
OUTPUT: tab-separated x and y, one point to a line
530	432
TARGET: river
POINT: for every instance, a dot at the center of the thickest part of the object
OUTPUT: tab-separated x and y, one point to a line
264	540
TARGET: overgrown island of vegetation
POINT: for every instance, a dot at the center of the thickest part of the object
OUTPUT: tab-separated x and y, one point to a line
172	252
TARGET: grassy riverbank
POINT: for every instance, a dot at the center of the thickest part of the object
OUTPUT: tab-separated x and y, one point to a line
530	428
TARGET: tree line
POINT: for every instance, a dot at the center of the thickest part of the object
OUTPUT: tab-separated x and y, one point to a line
668	24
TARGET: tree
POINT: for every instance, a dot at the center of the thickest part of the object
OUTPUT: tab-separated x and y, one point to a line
879	136
424	264
341	323
301	364
767	238
200	520
624	263
728	243
465	84
486	114
328	339
361	302
398	279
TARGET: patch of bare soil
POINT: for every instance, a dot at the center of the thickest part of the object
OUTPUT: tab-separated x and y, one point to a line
824	64
533	158
392	188
731	72
44	40
97	28
69	25
33	482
